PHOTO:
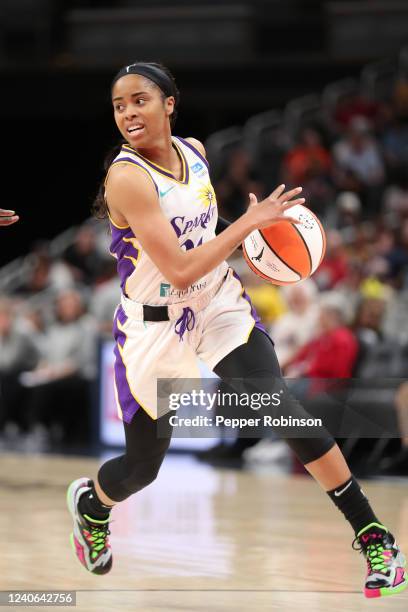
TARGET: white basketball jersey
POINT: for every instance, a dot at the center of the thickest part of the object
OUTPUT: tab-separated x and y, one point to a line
191	207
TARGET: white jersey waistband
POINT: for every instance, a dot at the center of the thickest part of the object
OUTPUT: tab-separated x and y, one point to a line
134	310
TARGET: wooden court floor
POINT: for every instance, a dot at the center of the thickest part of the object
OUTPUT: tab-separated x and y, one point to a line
197	540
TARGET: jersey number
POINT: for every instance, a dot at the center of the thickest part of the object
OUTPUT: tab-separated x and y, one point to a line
189	244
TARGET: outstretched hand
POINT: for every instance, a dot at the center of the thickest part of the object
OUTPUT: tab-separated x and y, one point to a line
8	217
272	209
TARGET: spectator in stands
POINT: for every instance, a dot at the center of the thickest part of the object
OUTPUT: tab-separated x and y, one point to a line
240	180
391	251
360	248
345	214
359	165
33	319
307	159
395	198
309	164
350	287
298	325
351	106
395	323
45	273
399	256
333	353
83	258
17	354
368	321
60	385
105	298
400	95
378	264
334	267
395	145
324	362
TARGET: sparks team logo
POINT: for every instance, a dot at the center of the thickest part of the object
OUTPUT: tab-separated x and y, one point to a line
164	290
197	167
206	195
183	225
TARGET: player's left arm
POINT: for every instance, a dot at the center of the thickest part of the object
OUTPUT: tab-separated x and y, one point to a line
222	223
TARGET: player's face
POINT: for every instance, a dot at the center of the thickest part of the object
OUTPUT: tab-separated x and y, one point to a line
140	112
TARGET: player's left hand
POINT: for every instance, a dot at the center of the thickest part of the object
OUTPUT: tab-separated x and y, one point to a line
8	217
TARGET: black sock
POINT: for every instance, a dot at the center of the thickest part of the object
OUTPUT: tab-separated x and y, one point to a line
352	502
90	504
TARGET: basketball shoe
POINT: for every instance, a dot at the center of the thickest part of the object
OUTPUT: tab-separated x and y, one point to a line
89	538
385	562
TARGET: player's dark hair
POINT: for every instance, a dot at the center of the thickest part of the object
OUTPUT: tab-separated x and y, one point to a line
161	77
99	207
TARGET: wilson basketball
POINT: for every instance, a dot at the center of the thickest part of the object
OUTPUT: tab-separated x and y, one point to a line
286	253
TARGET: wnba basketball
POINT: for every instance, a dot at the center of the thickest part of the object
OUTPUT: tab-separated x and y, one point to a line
286	253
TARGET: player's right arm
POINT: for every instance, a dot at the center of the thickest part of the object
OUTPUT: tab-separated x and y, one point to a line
8	217
132	199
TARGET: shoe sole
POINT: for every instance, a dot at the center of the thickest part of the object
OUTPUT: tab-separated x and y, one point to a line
388	591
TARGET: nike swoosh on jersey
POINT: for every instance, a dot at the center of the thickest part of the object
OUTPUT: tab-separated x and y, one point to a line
163	193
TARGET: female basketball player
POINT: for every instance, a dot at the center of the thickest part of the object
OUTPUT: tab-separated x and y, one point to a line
180	300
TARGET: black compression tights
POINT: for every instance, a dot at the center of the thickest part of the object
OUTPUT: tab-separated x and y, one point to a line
121	477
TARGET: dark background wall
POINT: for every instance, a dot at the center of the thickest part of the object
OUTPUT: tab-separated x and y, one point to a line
231	60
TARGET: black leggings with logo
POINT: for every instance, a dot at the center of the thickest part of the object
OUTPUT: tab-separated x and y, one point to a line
138	467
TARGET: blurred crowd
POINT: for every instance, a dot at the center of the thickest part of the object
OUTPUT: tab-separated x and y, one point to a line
339	324
51	325
351	318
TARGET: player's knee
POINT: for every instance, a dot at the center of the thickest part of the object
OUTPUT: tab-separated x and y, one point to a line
138	481
310	449
317	440
142	475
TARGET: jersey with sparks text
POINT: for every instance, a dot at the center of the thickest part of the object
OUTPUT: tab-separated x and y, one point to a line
190	206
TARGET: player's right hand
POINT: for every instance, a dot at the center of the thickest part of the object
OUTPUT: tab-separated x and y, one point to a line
271	209
8	217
